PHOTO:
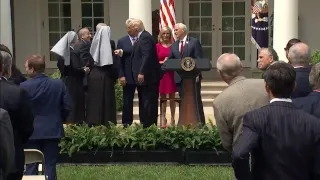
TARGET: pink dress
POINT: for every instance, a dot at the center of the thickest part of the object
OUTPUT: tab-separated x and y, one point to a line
167	83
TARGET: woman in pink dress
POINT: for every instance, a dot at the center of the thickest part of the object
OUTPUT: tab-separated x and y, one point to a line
167	84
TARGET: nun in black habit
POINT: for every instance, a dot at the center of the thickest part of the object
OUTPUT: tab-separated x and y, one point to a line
72	71
101	101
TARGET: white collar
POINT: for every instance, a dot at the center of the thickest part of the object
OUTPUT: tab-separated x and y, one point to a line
184	39
139	35
281	100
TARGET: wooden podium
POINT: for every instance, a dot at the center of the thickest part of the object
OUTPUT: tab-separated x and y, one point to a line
188	69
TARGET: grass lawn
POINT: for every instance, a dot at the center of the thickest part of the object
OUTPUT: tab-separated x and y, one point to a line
144	172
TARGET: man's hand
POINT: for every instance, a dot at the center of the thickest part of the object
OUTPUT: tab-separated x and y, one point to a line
118	52
123	81
140	78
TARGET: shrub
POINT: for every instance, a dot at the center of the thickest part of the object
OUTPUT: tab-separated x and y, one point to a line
118	90
315	57
85	138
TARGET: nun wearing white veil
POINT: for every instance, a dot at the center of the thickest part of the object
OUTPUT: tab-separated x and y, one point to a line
72	71
101	101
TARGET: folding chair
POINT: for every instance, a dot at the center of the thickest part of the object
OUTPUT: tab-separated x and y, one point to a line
34	156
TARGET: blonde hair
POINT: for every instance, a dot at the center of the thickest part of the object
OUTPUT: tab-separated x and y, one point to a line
165	28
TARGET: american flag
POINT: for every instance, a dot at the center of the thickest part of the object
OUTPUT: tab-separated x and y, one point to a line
256	8
167	15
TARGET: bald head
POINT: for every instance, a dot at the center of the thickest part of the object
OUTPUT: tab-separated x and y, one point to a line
229	65
299	54
84	34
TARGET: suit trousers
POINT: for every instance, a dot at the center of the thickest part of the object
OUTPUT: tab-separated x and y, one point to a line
50	149
127	109
148	103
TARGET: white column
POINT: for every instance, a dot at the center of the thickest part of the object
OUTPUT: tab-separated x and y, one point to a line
141	9
5	24
285	25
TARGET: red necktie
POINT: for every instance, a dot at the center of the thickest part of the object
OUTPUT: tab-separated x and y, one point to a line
181	47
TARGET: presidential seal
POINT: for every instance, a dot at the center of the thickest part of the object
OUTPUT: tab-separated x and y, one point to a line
188	64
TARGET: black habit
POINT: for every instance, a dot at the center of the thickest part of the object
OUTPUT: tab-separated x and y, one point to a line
101	101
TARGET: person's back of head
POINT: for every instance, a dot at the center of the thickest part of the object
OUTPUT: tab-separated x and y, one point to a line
35	64
299	54
314	77
229	66
5	64
280	79
290	43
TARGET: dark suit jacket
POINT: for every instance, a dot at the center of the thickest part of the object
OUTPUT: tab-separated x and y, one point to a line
144	59
309	104
50	103
6	143
303	87
125	69
192	48
284	143
15	100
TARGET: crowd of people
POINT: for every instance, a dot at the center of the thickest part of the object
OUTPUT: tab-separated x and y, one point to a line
90	65
271	125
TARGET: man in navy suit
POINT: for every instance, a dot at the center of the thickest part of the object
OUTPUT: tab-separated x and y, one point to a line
187	46
284	142
299	57
124	50
146	72
51	105
311	103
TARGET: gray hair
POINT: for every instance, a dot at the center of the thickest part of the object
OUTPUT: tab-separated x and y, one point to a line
314	76
182	26
100	25
229	65
299	54
6	62
273	53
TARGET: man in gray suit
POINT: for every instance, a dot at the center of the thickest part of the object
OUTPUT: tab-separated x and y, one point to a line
6	144
242	95
187	46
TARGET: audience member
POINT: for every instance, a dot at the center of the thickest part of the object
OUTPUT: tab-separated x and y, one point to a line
284	142
242	96
311	103
299	57
290	43
51	106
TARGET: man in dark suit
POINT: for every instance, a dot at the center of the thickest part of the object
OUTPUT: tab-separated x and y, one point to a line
187	46
15	100
311	103
51	106
284	142
6	144
146	72
124	50
299	57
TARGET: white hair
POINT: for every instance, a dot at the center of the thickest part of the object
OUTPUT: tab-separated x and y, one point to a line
229	65
299	54
182	26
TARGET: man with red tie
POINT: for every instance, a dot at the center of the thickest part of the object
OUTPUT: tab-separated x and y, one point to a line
187	46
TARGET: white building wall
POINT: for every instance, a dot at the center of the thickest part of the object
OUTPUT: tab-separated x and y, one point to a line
28	24
309	26
27	36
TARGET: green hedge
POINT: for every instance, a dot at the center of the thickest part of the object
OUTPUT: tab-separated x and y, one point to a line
118	90
315	57
85	138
